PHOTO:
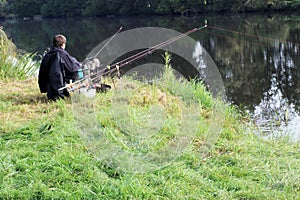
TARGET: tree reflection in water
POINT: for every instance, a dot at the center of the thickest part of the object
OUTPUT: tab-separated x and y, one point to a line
277	113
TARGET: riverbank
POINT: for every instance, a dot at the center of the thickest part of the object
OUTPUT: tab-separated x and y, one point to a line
192	145
44	156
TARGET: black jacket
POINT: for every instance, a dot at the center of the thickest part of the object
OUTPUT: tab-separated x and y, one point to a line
56	69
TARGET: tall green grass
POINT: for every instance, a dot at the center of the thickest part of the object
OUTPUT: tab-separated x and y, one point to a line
14	64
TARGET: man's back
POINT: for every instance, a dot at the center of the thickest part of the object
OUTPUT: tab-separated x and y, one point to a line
56	68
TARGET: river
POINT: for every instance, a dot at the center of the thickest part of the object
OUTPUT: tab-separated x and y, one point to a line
256	55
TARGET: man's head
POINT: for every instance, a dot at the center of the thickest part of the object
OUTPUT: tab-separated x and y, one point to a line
59	41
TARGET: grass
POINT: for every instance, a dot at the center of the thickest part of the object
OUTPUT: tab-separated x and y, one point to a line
43	154
113	146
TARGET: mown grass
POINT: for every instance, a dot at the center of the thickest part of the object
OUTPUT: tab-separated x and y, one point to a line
45	154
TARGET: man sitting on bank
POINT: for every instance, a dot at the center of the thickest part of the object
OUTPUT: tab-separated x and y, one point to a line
57	69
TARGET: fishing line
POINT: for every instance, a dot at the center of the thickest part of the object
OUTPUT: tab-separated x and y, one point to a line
228	37
251	35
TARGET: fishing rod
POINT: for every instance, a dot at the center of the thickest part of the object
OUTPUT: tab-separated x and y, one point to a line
145	52
141	54
110	39
91	58
116	67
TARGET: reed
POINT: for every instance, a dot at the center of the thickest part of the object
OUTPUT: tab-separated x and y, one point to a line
13	63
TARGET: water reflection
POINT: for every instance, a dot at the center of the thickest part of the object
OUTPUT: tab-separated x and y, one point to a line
277	108
260	69
275	111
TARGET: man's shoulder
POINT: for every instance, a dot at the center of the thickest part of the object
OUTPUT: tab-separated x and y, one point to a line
50	56
57	52
61	51
54	50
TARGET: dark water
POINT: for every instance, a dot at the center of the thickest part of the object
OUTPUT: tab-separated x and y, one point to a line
257	55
